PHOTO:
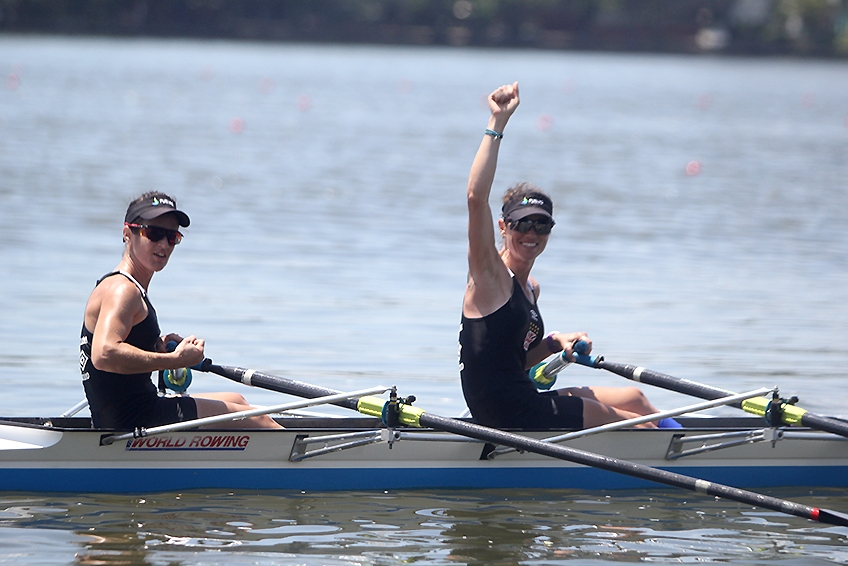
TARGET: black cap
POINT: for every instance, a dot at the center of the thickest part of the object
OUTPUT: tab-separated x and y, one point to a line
154	206
524	205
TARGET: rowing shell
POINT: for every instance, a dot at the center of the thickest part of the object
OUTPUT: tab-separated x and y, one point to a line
360	453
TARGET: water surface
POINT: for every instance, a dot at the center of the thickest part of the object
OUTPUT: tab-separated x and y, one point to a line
700	232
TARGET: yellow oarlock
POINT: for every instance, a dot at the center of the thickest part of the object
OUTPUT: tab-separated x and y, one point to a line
373	407
758	406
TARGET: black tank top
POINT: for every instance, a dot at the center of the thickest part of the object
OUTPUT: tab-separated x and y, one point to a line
492	360
120	400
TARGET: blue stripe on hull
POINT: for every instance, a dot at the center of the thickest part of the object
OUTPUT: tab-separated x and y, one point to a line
146	480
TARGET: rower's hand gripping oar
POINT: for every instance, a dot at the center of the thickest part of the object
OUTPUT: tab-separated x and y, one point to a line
177	380
544	374
777	411
416	417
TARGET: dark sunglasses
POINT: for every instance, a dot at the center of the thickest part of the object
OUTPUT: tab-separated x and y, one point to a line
157	233
541	227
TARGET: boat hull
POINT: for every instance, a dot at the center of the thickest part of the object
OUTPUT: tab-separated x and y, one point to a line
78	460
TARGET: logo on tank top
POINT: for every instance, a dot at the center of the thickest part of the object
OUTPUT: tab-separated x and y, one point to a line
534	330
83	358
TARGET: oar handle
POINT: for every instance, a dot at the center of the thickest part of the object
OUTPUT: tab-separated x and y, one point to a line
177	380
172	345
544	374
580	356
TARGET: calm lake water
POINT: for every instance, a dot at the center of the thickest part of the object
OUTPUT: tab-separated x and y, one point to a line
701	232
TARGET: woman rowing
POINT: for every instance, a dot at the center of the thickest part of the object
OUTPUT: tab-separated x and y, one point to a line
501	333
121	346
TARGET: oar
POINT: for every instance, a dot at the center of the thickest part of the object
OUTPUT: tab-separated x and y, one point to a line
414	416
778	411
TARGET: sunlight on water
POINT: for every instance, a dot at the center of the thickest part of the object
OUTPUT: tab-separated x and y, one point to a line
700	233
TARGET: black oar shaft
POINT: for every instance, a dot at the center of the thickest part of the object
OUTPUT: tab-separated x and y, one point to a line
695	389
826	424
519	442
278	384
633	469
649	377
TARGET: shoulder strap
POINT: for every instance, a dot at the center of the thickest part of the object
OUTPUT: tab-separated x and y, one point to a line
128	276
137	284
528	284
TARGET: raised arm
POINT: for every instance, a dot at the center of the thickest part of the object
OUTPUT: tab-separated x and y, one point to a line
489	281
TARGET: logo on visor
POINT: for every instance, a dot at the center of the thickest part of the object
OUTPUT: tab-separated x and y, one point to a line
157	201
535	201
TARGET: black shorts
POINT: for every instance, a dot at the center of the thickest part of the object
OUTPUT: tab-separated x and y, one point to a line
552	410
169	410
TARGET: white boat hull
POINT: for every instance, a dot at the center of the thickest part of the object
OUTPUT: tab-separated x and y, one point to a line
68	457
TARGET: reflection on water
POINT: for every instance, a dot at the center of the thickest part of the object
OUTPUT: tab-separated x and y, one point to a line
485	527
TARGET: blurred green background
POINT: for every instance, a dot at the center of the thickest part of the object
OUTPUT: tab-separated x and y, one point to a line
811	28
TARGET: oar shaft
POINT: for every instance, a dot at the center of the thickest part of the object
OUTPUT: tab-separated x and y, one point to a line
649	377
703	391
825	423
630	468
279	384
519	442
